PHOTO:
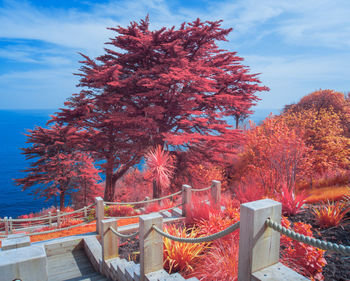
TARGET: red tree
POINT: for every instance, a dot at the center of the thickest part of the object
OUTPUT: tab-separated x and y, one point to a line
58	168
169	87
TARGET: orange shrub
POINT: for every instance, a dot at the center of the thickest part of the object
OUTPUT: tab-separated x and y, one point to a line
330	214
182	256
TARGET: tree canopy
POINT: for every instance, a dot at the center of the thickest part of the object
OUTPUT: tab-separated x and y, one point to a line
169	87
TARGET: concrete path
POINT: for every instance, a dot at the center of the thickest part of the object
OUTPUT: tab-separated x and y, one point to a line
72	266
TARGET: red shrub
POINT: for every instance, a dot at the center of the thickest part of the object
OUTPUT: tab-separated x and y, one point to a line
301	257
291	202
220	263
156	207
249	192
199	210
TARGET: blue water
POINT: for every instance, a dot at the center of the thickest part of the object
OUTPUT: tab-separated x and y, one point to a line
13	124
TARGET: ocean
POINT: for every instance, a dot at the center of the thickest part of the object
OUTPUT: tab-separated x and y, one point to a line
13	124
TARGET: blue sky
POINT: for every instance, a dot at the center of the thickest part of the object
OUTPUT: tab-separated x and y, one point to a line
297	46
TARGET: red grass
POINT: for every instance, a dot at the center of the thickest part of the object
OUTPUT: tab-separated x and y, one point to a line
220	263
291	202
330	214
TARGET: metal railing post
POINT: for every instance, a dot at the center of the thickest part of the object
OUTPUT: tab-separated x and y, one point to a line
151	244
258	245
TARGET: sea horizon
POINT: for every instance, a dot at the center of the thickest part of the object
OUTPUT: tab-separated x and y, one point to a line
13	124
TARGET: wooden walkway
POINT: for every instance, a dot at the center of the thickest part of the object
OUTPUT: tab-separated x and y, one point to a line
72	266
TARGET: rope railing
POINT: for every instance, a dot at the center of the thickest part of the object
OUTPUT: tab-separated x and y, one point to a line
121	235
328	246
201	189
60	229
144	201
208	238
47	217
136	216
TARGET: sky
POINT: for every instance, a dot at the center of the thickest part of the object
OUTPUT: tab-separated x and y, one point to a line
297	46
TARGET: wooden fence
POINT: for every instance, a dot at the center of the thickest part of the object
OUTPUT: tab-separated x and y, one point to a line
259	245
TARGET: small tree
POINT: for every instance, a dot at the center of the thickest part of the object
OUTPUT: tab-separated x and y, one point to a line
58	165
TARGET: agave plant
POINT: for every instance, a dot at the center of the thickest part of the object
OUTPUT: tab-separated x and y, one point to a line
160	167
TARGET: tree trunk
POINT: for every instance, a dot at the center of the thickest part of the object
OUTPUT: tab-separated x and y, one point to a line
62	200
156	189
109	188
237	121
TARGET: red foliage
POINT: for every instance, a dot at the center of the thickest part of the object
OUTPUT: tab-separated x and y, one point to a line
159	165
119	211
155	207
59	166
291	202
220	263
132	187
305	259
169	87
330	214
249	191
199	210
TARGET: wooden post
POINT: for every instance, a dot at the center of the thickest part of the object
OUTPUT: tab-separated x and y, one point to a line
151	244
11	225
85	213
58	218
109	240
215	192
6	226
146	199
50	219
100	213
258	245
186	199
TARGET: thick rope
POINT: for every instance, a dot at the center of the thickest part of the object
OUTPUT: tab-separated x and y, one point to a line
60	229
144	201
136	216
120	235
200	189
208	238
328	246
47	218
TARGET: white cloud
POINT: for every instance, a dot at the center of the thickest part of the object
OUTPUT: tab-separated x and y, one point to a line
315	24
